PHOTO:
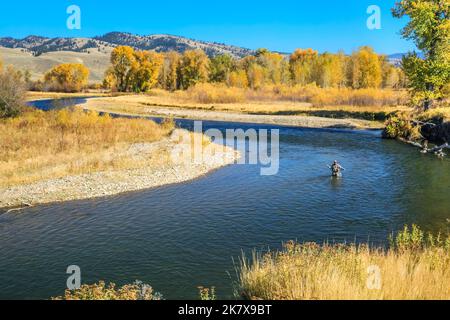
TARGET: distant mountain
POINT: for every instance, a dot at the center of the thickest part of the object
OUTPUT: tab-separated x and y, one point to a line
396	58
161	43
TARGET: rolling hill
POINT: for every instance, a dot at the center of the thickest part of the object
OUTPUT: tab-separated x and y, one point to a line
38	54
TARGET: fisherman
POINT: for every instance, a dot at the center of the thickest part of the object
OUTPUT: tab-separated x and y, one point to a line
336	169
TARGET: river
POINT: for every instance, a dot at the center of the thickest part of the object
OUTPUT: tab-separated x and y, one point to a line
182	236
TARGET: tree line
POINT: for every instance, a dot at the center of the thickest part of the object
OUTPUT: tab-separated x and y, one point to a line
140	71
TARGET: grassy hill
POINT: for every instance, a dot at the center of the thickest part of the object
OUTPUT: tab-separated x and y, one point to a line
22	59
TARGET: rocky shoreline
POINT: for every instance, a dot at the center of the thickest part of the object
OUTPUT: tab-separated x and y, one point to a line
108	183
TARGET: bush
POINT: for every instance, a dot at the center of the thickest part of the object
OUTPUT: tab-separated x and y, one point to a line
400	125
212	93
12	93
101	291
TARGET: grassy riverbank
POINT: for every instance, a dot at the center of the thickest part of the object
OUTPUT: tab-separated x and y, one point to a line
70	154
415	266
43	145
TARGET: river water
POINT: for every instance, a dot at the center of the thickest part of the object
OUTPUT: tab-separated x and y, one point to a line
182	236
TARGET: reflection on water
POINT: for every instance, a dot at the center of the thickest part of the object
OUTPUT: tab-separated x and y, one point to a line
182	236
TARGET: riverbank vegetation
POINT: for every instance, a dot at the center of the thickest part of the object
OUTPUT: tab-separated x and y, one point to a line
41	145
415	266
102	291
12	92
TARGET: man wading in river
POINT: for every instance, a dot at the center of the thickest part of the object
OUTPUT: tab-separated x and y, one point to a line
336	169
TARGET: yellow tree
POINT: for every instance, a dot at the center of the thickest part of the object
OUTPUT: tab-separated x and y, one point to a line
238	79
70	77
274	65
145	71
301	64
123	61
193	68
366	69
256	75
169	72
329	70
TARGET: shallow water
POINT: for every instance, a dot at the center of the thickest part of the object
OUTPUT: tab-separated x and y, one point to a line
181	236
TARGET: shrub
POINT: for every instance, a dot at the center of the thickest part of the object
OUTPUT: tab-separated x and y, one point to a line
212	93
12	93
400	125
101	291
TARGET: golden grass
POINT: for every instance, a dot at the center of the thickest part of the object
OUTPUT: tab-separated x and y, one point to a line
438	112
207	93
369	104
414	267
43	145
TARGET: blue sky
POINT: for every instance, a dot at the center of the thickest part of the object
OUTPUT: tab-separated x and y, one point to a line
327	25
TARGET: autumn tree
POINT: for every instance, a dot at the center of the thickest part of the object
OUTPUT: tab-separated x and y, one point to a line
274	64
220	68
168	78
329	70
429	28
365	69
301	64
123	61
193	68
145	71
69	77
238	79
256	75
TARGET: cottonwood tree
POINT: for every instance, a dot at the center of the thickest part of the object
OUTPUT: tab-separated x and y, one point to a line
429	28
69	77
220	68
168	78
145	70
365	69
193	68
301	64
123	61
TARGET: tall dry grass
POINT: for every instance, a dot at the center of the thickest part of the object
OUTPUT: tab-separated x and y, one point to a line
42	145
207	93
415	266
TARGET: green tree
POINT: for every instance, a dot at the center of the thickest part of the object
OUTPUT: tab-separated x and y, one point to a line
220	68
429	28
